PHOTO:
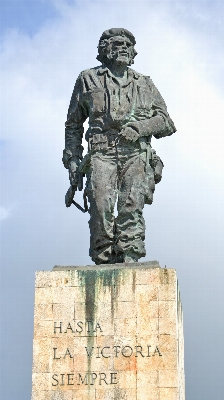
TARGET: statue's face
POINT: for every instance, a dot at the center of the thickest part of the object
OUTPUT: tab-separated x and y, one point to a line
121	50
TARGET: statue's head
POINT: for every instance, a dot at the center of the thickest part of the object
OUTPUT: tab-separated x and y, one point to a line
116	45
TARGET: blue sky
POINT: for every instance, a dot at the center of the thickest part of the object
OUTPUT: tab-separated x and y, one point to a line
26	15
44	46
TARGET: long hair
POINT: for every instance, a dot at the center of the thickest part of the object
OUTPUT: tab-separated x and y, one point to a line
105	51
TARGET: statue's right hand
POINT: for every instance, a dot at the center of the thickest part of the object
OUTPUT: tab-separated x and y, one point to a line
73	174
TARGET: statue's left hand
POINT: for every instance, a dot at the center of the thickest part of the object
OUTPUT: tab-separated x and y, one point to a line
129	133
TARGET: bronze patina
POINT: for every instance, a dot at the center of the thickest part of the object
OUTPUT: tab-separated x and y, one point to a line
125	110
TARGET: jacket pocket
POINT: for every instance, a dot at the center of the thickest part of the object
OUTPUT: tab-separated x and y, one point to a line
97	99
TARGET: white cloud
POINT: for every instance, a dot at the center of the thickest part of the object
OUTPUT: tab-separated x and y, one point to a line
38	74
185	223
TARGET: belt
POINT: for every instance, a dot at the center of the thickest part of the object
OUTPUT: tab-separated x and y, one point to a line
103	140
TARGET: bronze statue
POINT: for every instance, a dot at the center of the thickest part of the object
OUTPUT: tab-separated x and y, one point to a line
124	109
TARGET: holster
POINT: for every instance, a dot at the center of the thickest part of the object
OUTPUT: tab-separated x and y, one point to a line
157	165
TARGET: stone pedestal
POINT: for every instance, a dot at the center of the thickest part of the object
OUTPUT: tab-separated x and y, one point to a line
108	332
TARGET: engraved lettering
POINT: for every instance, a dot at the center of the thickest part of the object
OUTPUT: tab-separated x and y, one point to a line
62	379
55	379
55	358
78	328
69	327
85	380
102	378
98	353
67	353
157	351
89	352
116	350
113	377
80	325
93	376
88	326
57	327
148	350
70	379
125	349
102	352
98	327
138	351
89	378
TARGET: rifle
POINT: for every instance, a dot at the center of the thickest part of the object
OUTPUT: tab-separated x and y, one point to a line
69	199
79	174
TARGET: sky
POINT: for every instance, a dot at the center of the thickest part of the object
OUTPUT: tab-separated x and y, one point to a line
44	46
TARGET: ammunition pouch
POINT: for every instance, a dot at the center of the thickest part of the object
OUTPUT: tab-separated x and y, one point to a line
157	165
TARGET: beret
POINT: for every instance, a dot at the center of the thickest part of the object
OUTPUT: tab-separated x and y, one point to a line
118	32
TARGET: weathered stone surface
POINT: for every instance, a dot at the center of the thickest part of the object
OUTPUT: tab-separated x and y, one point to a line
108	332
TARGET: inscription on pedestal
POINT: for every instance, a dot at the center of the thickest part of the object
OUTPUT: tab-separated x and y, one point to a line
107	333
91	378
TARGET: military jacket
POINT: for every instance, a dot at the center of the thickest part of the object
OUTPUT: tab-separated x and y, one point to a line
110	103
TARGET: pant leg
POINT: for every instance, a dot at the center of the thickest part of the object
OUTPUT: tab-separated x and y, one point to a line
101	191
130	224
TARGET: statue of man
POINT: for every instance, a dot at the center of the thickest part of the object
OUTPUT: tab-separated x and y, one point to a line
125	110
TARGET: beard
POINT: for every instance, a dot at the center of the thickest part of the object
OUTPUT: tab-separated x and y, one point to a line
119	58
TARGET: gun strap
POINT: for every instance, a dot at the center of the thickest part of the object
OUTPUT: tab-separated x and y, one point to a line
85	200
85	209
78	206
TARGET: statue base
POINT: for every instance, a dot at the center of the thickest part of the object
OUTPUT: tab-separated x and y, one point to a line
108	332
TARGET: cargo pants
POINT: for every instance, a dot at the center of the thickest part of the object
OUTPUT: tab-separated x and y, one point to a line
117	174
